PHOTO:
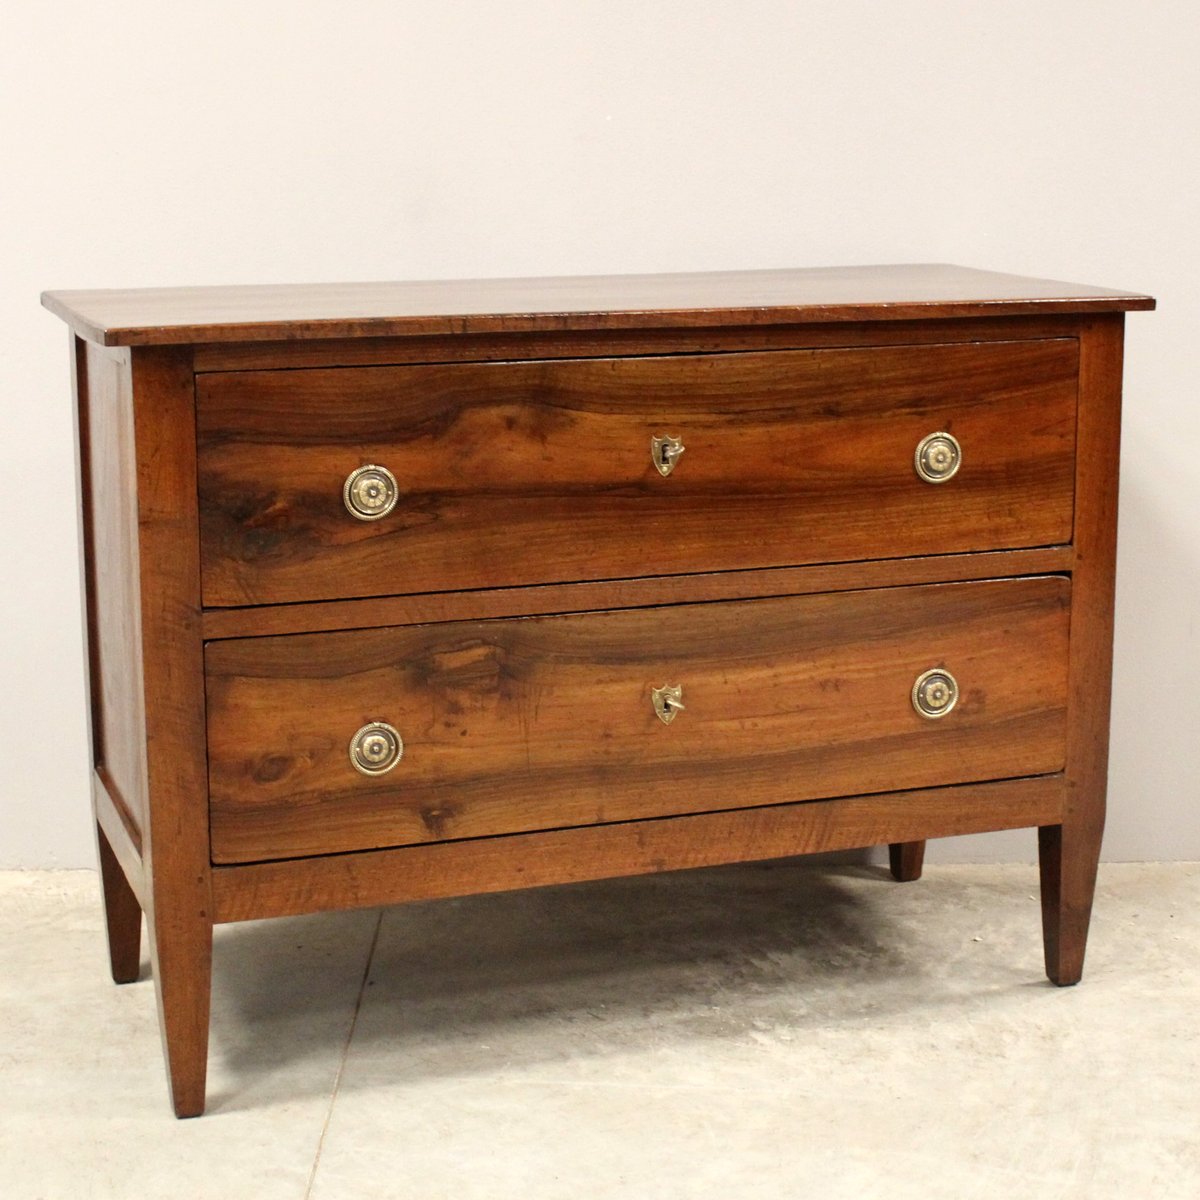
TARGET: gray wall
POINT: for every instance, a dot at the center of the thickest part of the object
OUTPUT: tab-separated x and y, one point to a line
151	144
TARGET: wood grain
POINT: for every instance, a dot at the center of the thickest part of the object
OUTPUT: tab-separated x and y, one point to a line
524	473
546	722
792	575
1069	853
614	343
179	912
245	893
104	405
158	316
629	593
103	431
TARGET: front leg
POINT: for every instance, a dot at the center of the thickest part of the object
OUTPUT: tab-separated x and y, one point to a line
1068	856
1069	853
181	955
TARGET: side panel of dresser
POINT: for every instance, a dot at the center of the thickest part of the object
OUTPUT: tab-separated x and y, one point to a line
104	428
1069	853
142	579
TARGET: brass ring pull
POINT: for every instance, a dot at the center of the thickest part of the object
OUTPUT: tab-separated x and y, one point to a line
668	703
370	492
935	693
376	748
938	457
665	452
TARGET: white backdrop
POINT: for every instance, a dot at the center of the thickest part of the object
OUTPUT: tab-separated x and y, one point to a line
218	142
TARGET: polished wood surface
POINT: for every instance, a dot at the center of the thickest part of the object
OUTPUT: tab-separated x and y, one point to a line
116	725
136	417
522	473
519	667
547	722
441	869
157	316
619	343
629	593
1069	853
104	406
179	908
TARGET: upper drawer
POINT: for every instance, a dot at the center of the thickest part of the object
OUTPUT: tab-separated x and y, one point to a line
539	472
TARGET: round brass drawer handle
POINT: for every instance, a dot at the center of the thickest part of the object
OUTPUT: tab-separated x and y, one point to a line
376	748
935	693
938	457
370	492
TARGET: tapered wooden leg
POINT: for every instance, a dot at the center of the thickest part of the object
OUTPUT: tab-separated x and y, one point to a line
122	916
181	954
177	853
1068	858
906	858
1069	853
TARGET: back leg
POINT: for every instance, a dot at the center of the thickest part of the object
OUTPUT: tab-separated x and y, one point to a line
122	914
906	858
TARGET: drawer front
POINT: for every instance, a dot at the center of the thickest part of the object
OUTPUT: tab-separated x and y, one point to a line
540	472
545	722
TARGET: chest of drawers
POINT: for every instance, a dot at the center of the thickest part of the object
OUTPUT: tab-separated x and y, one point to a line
406	591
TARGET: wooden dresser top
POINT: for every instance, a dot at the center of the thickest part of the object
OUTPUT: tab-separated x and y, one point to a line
274	312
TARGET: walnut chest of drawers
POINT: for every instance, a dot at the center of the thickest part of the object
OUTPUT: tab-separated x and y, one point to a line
416	590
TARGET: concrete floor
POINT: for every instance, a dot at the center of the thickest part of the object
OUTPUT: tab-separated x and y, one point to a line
789	1030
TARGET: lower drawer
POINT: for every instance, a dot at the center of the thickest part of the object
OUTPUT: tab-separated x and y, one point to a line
546	722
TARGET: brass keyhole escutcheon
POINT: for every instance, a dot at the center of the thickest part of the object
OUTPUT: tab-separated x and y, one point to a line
668	703
370	492
935	693
938	457
665	452
376	748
